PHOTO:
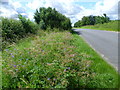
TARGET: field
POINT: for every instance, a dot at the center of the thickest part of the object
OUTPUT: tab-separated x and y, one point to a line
111	26
55	60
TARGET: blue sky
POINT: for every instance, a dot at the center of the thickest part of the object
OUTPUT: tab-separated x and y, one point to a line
74	9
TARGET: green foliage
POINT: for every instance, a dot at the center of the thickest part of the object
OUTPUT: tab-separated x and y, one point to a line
13	30
55	60
113	25
42	24
0	35
92	20
78	24
29	26
48	17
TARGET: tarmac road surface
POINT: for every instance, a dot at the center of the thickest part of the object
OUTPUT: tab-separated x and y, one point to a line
104	42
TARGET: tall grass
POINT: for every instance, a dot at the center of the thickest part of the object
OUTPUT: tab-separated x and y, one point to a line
55	60
111	26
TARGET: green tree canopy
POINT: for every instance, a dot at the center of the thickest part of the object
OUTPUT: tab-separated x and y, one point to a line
51	18
91	20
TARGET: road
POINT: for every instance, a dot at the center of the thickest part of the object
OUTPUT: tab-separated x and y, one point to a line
104	42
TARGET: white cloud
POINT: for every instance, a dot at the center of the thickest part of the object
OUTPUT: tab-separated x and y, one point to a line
66	7
11	9
30	15
110	7
36	4
7	13
70	8
6	9
16	4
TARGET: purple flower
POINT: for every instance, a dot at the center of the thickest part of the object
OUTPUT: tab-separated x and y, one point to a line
6	50
14	65
54	79
16	69
68	68
13	56
48	79
64	70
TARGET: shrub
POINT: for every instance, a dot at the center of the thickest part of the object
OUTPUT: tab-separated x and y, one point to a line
12	29
0	35
29	26
42	25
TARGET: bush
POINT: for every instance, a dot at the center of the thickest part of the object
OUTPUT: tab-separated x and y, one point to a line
42	25
29	26
0	35
12	29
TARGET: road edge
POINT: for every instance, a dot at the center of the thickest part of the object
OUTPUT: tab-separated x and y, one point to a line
102	55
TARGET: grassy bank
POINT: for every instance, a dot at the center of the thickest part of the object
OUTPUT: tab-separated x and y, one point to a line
111	26
55	60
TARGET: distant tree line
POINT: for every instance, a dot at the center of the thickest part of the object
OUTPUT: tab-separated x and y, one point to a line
50	18
92	20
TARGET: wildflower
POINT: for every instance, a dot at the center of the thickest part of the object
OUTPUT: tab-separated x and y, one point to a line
64	48
72	55
16	69
54	79
14	65
27	59
48	79
64	70
6	50
12	56
68	68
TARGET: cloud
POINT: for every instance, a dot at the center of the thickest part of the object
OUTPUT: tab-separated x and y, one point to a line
74	9
6	9
110	7
66	7
11	9
16	4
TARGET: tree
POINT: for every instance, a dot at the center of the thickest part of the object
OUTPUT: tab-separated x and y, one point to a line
106	18
78	23
48	17
92	20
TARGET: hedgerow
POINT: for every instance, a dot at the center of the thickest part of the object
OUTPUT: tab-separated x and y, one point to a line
13	30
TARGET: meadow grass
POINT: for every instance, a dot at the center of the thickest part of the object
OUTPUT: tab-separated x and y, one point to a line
55	60
111	26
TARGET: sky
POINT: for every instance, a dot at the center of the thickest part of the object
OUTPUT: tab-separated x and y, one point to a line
73	9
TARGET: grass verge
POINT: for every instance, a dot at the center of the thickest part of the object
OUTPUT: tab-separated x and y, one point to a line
55	60
111	26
